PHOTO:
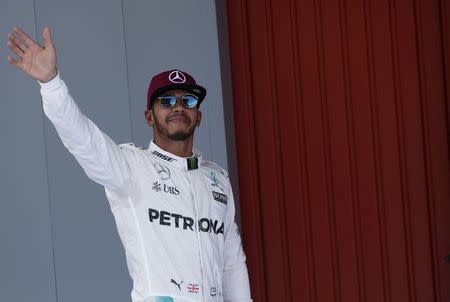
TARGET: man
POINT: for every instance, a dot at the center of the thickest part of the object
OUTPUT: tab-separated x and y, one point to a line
174	211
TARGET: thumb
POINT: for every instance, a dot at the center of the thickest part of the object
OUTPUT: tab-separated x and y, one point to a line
47	37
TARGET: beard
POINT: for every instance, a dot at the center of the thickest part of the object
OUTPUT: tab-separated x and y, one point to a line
179	135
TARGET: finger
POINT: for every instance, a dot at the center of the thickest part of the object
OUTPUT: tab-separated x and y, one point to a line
13	41
47	35
17	41
17	50
13	61
23	35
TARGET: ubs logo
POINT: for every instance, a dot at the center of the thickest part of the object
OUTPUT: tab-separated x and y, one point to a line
167	189
162	170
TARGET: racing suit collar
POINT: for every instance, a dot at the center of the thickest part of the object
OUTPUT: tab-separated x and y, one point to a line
186	163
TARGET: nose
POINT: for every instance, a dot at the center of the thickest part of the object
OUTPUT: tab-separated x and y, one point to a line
178	105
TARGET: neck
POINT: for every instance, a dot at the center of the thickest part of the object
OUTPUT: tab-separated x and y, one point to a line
178	148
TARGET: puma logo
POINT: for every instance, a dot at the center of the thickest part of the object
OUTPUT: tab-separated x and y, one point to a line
174	282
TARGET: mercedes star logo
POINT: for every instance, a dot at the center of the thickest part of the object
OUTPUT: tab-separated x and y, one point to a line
162	170
177	77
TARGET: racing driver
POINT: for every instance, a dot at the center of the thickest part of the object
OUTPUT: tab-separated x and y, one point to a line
174	211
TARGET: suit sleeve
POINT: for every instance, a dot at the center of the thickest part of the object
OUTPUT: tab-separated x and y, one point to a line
236	287
101	159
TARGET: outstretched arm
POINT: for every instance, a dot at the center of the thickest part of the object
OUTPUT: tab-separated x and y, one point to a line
102	160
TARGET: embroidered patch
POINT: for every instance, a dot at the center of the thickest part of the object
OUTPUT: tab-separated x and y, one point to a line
222	198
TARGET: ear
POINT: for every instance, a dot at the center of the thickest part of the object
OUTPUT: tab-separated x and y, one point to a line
149	117
199	119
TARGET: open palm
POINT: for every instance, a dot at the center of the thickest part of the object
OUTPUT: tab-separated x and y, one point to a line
37	61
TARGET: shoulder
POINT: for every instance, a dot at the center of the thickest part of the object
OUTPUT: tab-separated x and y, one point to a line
130	150
221	172
131	147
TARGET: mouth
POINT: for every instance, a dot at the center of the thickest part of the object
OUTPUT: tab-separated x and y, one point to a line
179	119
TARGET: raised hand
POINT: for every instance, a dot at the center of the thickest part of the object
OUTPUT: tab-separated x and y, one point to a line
39	62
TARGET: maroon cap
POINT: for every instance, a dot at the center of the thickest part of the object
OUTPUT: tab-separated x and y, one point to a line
170	80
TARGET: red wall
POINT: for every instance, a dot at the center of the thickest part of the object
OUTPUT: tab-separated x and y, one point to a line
342	128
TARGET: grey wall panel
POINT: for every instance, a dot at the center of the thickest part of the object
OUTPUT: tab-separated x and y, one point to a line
90	262
59	241
162	35
226	84
26	260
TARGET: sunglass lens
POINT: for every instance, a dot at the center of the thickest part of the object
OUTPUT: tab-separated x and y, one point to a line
168	101
190	101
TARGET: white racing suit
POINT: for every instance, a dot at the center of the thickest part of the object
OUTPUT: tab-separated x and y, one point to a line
175	216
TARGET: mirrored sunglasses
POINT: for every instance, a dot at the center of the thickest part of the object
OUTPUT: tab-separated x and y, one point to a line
188	100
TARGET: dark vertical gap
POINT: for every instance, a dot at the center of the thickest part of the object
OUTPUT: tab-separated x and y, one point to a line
401	141
52	235
446	59
395	59
225	76
307	186
427	165
376	138
352	147
321	76
278	148
251	85
444	35
127	69
303	167
326	152
329	179
406	202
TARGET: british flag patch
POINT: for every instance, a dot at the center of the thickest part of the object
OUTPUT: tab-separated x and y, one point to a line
193	288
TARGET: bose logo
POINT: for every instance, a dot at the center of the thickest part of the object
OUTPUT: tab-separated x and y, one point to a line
162	156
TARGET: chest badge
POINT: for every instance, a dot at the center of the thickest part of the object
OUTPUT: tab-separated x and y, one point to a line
222	198
215	181
162	170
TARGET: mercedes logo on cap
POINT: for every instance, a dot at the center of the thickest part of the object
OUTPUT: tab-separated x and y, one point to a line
177	77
